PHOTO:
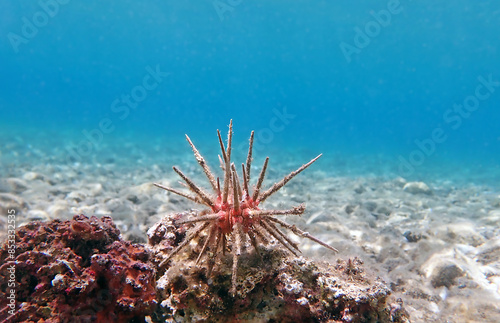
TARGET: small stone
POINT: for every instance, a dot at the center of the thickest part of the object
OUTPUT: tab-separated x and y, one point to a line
5	186
412	237
370	205
37	215
59	210
384	209
462	233
17	185
496	201
493	217
11	201
146	189
95	189
349	208
31	176
417	188
400	181
446	275
489	253
76	196
134	199
359	189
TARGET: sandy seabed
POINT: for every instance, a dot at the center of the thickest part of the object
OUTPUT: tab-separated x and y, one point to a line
437	244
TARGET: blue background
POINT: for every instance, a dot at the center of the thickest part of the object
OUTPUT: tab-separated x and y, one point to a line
246	60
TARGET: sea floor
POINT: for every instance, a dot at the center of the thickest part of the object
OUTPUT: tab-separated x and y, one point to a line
436	243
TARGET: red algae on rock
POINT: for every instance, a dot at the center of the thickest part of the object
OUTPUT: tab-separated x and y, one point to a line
77	271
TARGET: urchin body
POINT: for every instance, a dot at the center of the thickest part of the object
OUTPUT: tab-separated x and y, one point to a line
233	213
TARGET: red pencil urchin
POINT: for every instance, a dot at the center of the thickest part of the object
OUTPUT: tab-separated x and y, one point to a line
234	213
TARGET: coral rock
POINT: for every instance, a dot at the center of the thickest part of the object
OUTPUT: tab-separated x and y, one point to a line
275	287
77	271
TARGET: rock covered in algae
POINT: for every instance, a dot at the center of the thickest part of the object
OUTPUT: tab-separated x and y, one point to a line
272	288
77	271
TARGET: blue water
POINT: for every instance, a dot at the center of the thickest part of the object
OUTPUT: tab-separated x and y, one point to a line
376	79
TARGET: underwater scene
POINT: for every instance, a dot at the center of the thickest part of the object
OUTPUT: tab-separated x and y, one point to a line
249	161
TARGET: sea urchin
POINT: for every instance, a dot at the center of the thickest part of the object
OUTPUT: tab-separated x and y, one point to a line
234	213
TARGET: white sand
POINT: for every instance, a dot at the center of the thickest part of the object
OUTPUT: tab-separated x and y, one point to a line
439	250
